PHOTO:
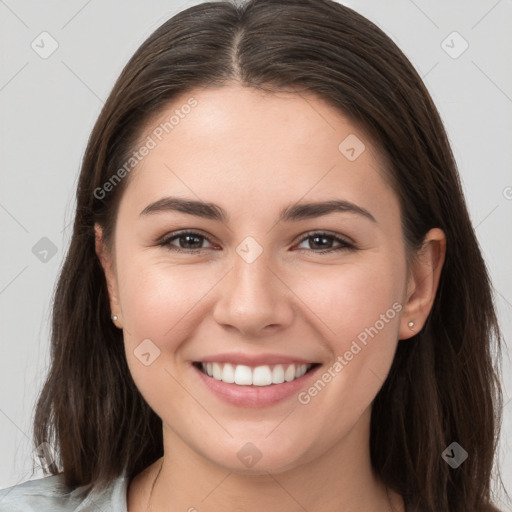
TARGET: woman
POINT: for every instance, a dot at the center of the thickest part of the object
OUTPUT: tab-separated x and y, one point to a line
273	298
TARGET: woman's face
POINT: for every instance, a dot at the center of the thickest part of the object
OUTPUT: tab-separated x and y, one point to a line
251	287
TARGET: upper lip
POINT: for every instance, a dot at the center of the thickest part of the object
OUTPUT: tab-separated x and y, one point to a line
254	360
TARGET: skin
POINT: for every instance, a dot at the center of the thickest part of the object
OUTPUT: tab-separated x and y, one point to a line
254	153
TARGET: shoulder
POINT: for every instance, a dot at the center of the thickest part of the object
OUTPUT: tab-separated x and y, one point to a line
43	494
49	494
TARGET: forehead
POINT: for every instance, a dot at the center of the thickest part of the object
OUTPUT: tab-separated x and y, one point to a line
246	148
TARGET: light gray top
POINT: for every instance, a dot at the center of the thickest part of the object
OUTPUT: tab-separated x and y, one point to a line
49	495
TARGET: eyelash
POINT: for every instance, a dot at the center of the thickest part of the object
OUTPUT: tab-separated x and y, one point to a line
166	242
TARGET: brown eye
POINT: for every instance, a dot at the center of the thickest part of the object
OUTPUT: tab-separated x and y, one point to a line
188	241
324	241
192	242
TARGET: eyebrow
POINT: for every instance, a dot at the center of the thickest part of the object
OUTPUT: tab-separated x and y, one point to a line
292	213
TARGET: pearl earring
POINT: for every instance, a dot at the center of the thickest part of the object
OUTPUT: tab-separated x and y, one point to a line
115	319
411	325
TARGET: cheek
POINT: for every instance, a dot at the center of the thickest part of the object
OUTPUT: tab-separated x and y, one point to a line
159	302
156	297
349	299
359	307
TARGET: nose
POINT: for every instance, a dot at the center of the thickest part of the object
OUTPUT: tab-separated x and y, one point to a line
254	298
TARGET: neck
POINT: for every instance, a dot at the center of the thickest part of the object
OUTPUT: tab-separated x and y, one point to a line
340	479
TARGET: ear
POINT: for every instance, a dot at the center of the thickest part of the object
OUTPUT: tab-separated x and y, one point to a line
110	276
423	282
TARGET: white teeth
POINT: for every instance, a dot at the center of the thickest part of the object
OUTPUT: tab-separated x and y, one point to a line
228	374
264	375
261	376
289	374
278	374
300	371
243	375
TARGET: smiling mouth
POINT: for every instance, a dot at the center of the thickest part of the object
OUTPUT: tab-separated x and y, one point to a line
264	375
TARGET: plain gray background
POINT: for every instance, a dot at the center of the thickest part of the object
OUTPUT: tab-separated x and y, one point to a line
49	104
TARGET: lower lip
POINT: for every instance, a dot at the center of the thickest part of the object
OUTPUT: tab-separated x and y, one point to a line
255	396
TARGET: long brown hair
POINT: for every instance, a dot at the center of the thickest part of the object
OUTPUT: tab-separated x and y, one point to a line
442	386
